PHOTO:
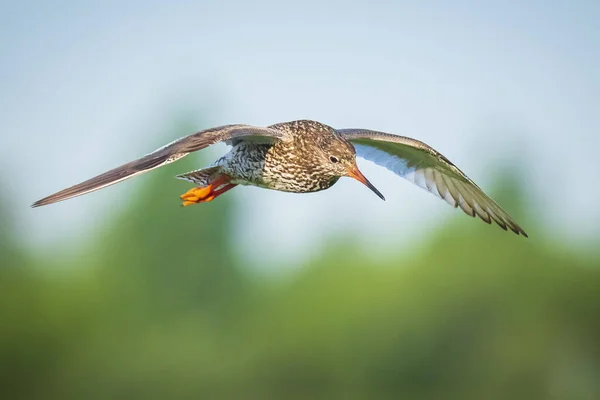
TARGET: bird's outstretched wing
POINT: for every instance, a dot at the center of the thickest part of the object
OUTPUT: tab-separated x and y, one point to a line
167	154
427	168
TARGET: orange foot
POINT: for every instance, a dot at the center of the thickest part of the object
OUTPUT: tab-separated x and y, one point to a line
206	194
197	195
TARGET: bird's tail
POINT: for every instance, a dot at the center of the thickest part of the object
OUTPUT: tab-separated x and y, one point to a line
201	177
211	184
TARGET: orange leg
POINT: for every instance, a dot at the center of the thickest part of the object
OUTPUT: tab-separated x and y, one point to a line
208	193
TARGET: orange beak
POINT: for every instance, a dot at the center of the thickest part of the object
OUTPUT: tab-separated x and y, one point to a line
356	174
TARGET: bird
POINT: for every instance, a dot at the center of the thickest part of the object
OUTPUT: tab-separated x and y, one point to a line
304	156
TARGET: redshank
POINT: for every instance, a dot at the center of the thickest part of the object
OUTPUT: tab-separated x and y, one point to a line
305	156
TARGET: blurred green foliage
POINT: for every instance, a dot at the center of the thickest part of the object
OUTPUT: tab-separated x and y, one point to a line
158	306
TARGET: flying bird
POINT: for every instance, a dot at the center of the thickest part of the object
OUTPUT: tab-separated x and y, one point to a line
304	156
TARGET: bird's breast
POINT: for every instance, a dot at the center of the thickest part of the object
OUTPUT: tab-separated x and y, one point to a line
279	166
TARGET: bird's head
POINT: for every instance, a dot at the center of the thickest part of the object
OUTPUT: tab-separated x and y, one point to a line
339	159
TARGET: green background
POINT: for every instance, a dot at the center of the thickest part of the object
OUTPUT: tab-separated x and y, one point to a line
159	304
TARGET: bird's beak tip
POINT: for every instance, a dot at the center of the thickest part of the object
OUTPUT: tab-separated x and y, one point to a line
356	174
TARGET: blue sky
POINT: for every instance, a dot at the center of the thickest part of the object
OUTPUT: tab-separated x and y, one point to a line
85	86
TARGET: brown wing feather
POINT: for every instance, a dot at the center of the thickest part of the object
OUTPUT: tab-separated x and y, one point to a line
426	167
165	155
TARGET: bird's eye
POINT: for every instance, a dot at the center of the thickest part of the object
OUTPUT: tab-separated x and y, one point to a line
333	159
